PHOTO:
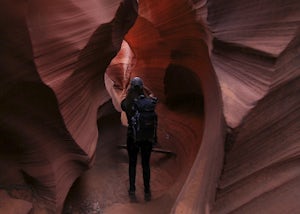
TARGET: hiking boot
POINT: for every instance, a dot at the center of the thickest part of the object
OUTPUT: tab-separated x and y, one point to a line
147	195
131	191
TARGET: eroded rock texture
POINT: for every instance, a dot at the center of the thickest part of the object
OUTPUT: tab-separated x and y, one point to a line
214	65
256	57
52	83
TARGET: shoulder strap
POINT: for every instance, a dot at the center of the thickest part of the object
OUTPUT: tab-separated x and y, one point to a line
146	103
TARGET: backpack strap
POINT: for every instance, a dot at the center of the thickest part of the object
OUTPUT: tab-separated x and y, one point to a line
144	106
143	103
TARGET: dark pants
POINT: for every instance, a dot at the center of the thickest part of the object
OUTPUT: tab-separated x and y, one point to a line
133	150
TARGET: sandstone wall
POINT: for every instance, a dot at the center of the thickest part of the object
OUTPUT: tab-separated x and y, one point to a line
214	65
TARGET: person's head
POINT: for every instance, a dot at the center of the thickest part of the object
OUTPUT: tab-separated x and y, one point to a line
137	83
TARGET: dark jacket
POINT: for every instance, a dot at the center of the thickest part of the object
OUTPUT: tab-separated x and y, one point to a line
128	103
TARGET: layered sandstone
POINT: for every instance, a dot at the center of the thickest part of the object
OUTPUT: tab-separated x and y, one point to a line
226	75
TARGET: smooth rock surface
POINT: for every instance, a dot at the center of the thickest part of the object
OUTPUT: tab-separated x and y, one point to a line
226	74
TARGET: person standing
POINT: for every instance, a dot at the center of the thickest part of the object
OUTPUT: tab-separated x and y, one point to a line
134	145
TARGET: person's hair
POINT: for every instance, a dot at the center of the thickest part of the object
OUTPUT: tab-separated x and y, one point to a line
133	93
137	82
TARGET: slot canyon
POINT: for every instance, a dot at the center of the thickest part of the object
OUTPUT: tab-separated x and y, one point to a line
227	78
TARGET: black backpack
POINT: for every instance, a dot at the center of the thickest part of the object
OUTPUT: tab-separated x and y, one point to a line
144	120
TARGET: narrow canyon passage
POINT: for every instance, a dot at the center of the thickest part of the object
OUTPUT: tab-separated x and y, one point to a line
226	74
103	188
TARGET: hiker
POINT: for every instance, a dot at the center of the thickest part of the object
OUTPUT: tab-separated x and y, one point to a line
137	139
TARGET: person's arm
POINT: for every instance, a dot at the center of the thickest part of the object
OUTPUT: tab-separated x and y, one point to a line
155	134
148	92
123	104
124	97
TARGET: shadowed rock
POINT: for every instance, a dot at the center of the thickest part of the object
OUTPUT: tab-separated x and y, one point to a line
222	71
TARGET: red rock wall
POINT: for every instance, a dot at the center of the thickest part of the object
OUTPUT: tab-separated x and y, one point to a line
238	60
52	83
256	57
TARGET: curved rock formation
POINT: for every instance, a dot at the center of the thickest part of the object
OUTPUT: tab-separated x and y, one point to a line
226	75
255	57
51	87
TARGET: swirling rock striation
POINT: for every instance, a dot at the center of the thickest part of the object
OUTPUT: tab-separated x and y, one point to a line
51	88
213	65
255	52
